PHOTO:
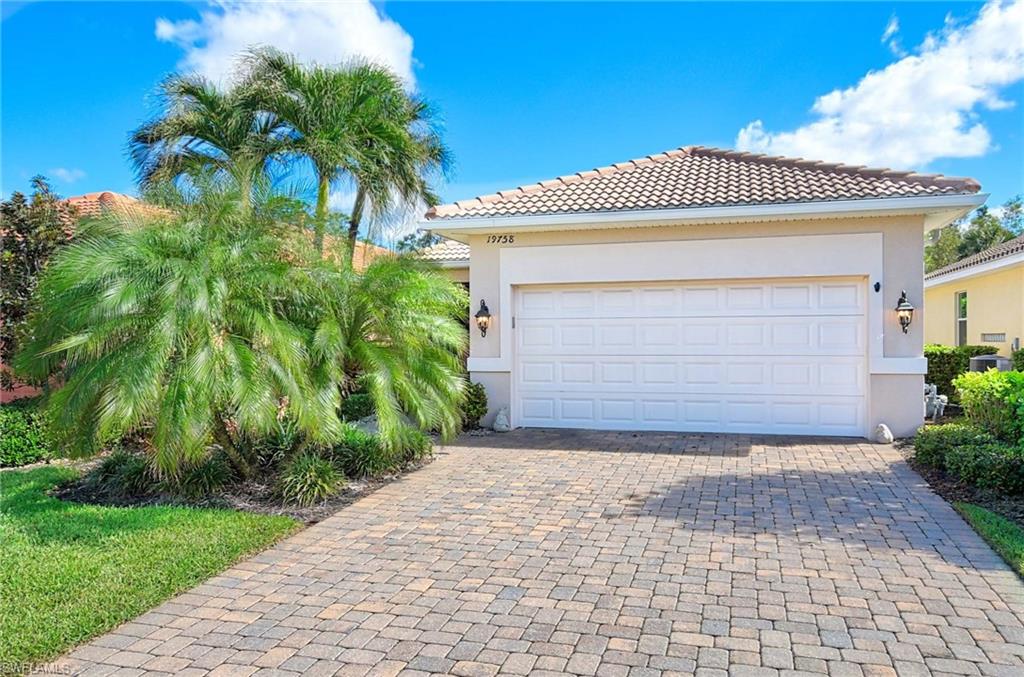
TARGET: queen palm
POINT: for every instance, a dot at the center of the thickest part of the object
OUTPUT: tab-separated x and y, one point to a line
202	128
180	323
355	122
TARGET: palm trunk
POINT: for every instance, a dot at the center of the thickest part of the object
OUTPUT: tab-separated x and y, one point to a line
320	217
237	458
245	188
354	221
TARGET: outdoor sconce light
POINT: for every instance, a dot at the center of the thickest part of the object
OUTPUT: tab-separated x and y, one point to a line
483	318
904	311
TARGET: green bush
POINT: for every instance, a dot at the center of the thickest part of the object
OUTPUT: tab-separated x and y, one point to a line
271	449
994	401
122	474
1018	359
204	479
945	363
23	434
475	406
933	443
999	467
309	478
415	446
360	454
356	406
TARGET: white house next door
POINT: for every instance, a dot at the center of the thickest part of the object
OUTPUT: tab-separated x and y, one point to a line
783	356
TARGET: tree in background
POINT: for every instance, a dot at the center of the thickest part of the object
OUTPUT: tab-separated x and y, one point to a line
421	239
31	229
984	229
353	122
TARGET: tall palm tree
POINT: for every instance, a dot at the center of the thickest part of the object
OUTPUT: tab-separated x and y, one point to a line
353	121
185	324
202	128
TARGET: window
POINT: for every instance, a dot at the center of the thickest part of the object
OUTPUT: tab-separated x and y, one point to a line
961	318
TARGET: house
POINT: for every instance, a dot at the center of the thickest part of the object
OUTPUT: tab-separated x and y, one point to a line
978	300
704	290
450	255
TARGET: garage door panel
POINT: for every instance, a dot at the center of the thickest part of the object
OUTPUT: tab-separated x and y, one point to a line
783	356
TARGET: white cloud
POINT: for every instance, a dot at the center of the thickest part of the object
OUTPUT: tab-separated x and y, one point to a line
323	32
890	36
66	175
919	108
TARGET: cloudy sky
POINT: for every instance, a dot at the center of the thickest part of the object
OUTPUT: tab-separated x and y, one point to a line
533	90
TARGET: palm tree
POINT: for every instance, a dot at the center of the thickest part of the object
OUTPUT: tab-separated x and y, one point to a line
396	325
202	128
357	122
186	324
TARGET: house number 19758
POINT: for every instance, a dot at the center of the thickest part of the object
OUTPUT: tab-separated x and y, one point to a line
501	239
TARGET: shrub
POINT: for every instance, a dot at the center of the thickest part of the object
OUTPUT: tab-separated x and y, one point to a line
1018	359
932	444
475	406
270	449
23	434
994	401
415	446
356	406
203	479
994	466
309	478
122	474
360	454
945	363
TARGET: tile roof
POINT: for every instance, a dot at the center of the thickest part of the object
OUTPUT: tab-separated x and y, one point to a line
445	251
1002	250
93	204
698	176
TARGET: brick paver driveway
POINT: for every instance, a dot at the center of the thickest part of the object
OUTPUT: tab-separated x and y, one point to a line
606	553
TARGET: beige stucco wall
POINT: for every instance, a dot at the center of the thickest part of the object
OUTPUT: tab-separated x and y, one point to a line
457	274
995	305
903	242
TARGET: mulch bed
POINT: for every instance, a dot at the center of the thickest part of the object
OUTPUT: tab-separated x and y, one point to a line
255	496
953	490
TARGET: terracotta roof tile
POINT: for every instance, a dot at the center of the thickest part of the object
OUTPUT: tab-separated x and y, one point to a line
446	250
1002	250
697	176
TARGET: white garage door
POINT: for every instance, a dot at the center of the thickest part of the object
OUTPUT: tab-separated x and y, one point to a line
778	356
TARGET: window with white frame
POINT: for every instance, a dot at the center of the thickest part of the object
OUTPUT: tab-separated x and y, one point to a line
960	313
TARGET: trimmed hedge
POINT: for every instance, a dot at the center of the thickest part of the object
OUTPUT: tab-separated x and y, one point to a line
994	401
932	444
945	363
1018	359
475	406
973	456
24	437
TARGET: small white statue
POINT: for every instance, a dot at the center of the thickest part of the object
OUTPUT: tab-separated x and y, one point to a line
934	403
883	435
501	422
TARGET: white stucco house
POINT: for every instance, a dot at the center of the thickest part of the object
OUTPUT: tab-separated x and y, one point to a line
702	290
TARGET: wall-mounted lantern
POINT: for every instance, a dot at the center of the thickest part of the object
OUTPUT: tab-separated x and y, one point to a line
483	318
904	311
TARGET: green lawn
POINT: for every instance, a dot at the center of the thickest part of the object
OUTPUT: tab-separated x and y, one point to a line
69	572
1003	535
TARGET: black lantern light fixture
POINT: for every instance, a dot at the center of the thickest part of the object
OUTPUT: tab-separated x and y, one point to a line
904	311
483	318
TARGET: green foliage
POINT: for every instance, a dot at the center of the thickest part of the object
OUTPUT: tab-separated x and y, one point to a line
945	363
933	443
122	474
1018	359
356	406
983	230
1004	536
190	325
416	445
31	229
24	434
72	571
309	478
414	242
994	401
360	454
475	406
203	479
998	467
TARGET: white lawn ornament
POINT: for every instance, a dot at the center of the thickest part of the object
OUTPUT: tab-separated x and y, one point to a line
934	403
501	422
883	435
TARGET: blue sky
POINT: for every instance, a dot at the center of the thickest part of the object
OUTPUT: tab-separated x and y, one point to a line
533	90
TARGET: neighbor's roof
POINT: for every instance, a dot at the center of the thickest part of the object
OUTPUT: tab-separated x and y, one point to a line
93	204
445	251
1002	250
697	176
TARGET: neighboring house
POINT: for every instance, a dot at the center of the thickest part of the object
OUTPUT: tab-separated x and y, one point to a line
452	256
704	290
978	300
